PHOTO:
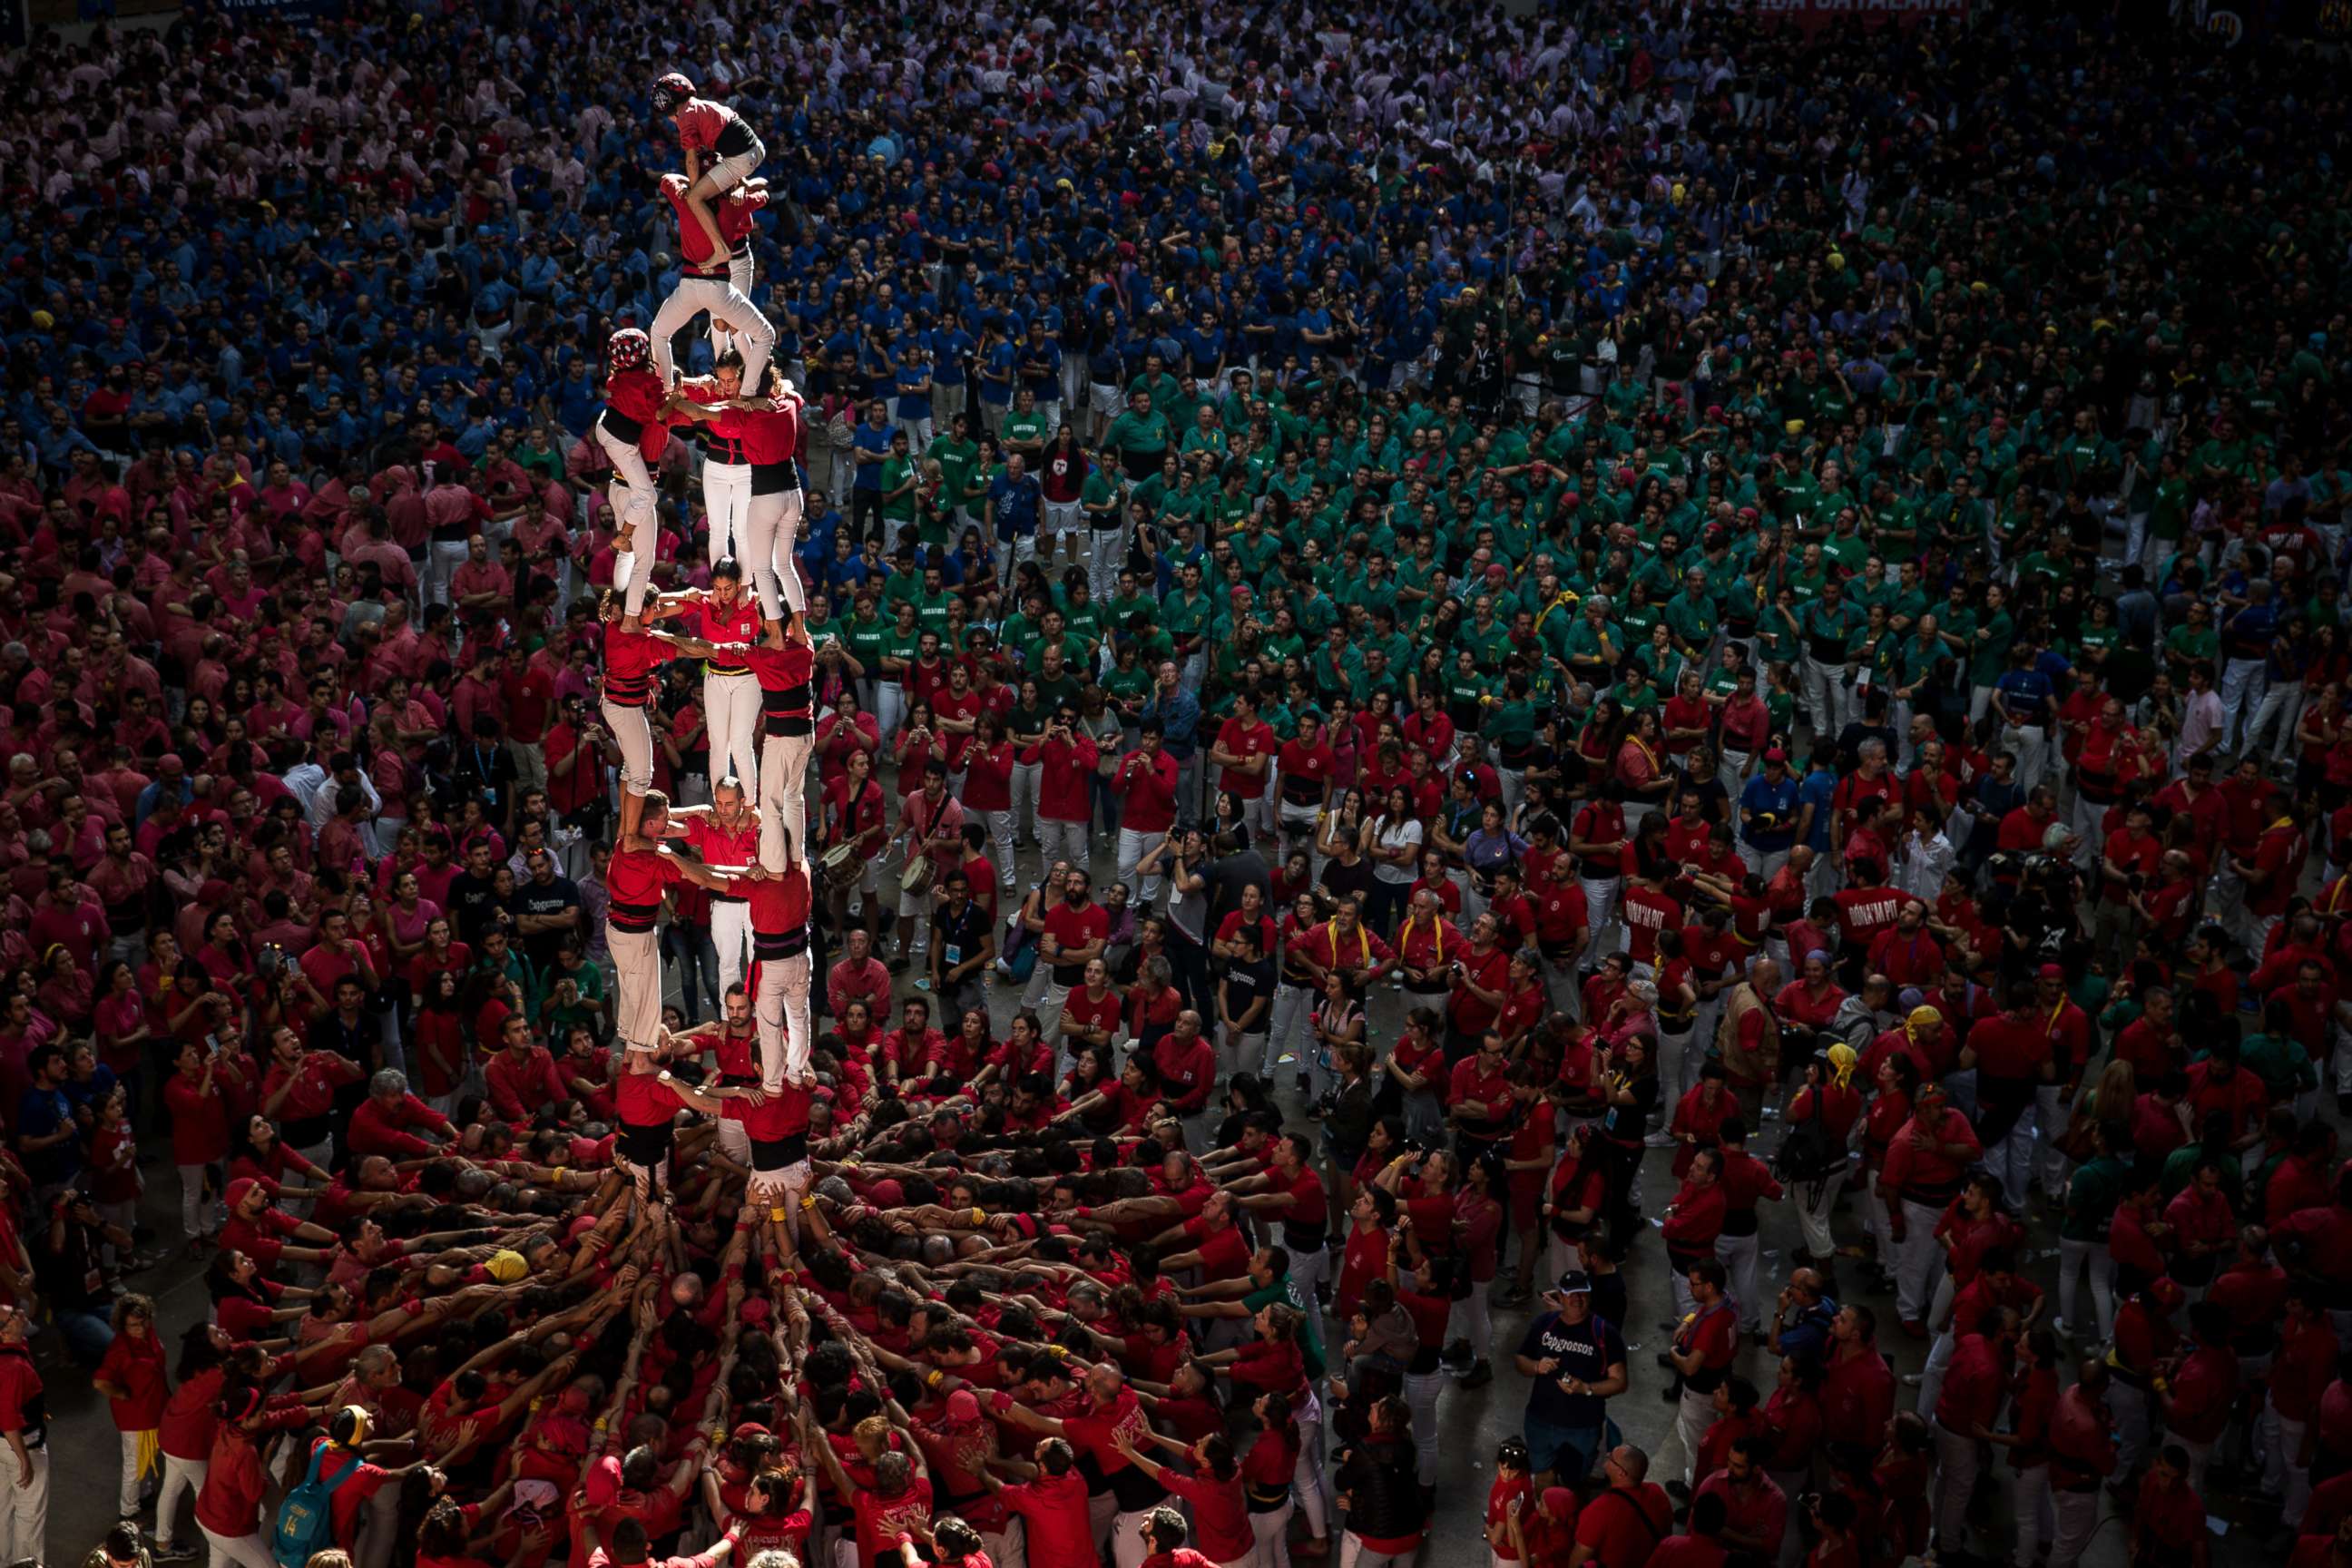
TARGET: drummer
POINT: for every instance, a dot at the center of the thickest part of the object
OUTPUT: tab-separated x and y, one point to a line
857	835
930	841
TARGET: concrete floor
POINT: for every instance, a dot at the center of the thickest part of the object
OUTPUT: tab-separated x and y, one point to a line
1472	1422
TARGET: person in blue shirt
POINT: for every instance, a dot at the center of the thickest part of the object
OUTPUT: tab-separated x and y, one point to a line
1015	503
870	450
1768	815
914	386
1178	713
1041	372
2245	658
48	1139
1815	804
949	345
2022	697
999	364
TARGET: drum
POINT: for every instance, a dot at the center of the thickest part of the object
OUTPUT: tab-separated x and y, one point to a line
915	878
840	865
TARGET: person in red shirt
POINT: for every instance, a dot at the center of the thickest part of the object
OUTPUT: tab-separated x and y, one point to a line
2199	1397
133	1378
198	1114
1065	756
228	1504
2301	1369
1623	1527
1146	787
1245	752
1747	1180
1304	768
721	153
1707	1337
1925	1163
2167	1516
520	1079
386	1120
1975	1387
1052	1505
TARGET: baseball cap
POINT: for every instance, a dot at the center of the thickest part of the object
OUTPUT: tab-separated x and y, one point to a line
2051	972
1574	1283
1776	755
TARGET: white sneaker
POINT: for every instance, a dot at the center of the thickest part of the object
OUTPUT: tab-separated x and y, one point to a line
1659	1140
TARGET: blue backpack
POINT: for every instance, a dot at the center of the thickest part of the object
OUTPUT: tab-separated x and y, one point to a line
305	1520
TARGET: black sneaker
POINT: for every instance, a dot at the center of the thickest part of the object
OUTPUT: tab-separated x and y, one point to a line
1457	1352
1479	1376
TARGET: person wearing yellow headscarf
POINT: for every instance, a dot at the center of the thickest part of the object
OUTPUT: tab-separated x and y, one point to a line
1821	1117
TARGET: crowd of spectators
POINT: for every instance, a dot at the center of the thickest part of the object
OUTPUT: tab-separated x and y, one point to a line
1501	631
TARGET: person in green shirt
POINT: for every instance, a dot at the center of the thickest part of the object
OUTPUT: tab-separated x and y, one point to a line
1102	502
864	638
1826	628
898	648
1988	651
1026	430
1690	614
932	600
956	453
899	478
1203	436
1141	436
2194	642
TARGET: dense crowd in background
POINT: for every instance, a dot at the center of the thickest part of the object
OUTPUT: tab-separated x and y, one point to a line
1451	654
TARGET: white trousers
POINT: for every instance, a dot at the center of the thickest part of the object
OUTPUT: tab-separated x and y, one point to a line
1601	908
1133	845
731	931
1693	1414
727	500
26	1520
2242	680
201	1213
2009	1160
2282	1475
1059	840
126	1497
773	523
754	334
1955	1477
637	979
1000	830
1106	553
2037	1519
2078	1521
1271	1529
180	1476
2075	1259
239	1551
1916	1259
781	1014
2050	1122
742	270
630	494
1293	1007
731	710
783	798
634	733
1816	1201
1737	1256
